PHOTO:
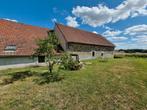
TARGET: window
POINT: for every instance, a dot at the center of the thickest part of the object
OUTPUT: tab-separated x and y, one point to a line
10	48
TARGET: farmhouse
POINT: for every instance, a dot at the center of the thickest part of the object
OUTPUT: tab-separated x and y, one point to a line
18	43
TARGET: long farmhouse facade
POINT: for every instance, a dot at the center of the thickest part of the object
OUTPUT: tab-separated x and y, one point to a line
18	43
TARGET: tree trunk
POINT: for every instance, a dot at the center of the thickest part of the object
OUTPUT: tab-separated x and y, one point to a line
50	65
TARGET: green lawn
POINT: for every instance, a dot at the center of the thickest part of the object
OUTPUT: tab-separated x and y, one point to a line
119	84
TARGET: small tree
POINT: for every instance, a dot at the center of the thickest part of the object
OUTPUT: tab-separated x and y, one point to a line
48	47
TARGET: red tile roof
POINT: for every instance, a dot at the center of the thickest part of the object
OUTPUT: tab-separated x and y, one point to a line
80	36
21	35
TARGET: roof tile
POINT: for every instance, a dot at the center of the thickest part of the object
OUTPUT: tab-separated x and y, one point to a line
21	35
80	36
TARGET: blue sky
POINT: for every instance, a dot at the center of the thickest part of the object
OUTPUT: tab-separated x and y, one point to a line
124	22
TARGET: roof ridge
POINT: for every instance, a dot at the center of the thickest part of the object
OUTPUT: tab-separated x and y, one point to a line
20	23
77	29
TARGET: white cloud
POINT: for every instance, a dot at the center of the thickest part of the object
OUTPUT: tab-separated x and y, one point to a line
71	21
94	16
111	33
131	37
54	20
95	32
141	39
114	35
142	36
136	30
107	28
138	36
100	15
119	38
125	45
130	45
13	20
120	44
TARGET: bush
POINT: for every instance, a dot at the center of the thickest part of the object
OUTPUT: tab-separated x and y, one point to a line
136	55
68	63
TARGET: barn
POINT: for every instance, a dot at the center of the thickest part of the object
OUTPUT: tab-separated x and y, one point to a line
86	45
18	43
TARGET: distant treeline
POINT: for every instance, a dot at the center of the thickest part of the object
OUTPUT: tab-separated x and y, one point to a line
133	50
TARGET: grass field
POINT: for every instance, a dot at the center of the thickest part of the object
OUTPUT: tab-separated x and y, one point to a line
118	84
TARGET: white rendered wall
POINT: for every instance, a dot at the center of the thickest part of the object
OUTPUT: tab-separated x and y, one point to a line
14	62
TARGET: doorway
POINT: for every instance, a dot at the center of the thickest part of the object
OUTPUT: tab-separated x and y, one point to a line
93	53
41	59
102	54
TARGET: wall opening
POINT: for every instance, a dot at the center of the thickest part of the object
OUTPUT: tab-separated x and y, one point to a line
75	57
41	59
102	54
93	54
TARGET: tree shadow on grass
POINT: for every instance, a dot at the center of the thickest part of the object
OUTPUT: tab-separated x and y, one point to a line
46	77
42	78
12	77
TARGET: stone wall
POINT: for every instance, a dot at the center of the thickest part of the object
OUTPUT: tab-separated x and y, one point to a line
87	48
90	51
89	55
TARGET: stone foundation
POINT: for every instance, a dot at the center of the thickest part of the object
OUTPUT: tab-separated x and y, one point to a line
89	55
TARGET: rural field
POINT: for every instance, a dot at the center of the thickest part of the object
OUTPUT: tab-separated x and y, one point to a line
116	84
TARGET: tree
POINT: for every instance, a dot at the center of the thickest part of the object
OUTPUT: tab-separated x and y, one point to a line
48	47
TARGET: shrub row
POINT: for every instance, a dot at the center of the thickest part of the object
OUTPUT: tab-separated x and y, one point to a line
130	55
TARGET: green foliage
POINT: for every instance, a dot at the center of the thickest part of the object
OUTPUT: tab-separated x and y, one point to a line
68	63
133	50
48	47
137	55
